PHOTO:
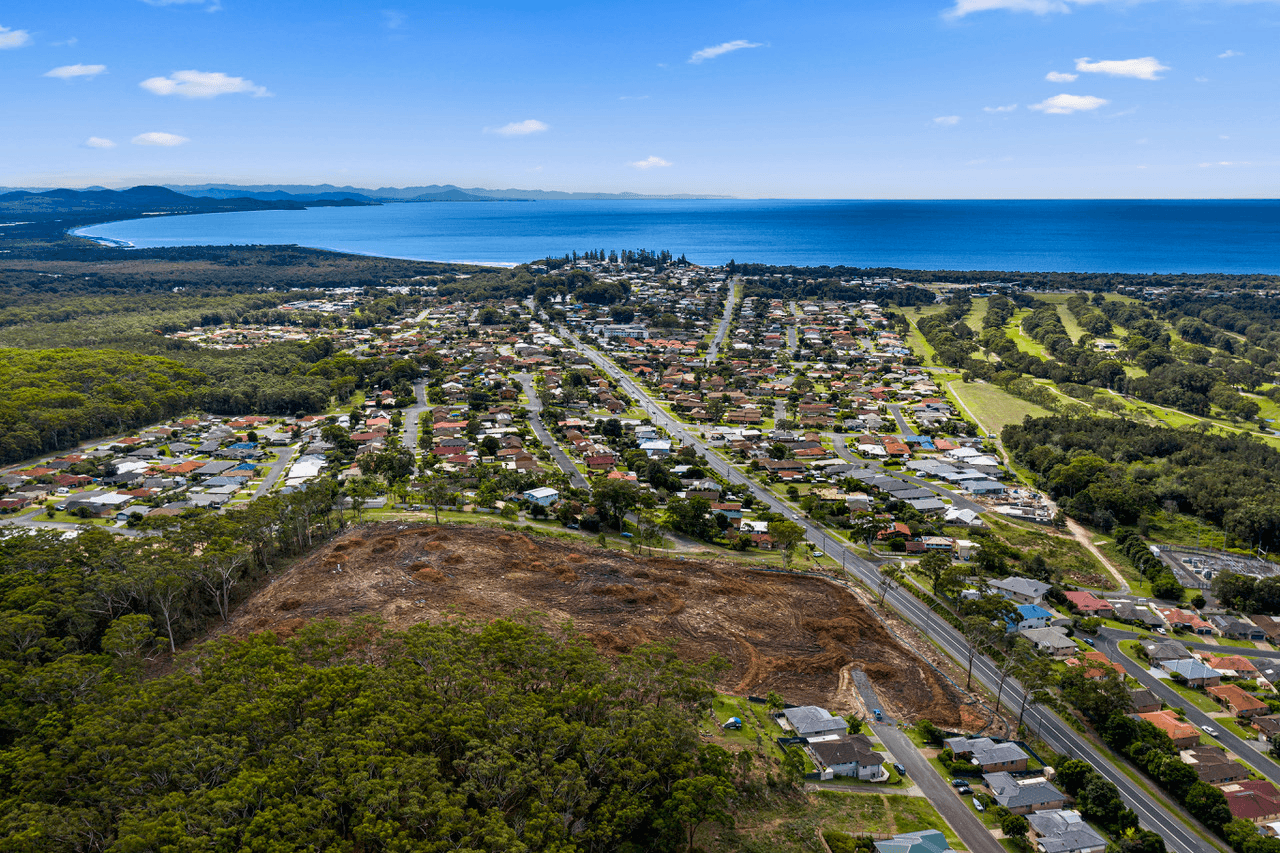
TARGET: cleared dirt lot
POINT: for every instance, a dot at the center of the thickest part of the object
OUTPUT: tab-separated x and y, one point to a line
795	634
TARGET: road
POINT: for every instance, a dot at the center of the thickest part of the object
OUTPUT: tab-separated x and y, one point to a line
413	414
548	440
1054	731
1252	751
958	500
276	469
903	427
735	289
953	809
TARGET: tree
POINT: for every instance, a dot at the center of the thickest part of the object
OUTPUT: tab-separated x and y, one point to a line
1208	805
786	535
1100	800
614	499
935	565
890	574
438	491
1014	825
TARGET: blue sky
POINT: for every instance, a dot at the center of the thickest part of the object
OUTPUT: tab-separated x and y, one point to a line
914	99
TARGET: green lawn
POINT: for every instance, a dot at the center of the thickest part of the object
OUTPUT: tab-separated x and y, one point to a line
1195	697
993	407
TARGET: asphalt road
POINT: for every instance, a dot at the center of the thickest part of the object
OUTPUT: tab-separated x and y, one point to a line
548	440
949	804
412	414
1054	731
276	469
903	427
714	351
1253	752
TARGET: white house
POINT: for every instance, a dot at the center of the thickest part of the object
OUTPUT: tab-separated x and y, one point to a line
543	496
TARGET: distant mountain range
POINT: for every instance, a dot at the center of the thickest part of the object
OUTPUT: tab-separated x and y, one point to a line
146	199
434	192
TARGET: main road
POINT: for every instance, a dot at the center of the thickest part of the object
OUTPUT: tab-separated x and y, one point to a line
1050	728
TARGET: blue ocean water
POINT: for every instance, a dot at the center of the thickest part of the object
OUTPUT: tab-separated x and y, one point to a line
1191	236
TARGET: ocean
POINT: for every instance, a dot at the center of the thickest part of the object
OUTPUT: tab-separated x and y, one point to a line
1182	236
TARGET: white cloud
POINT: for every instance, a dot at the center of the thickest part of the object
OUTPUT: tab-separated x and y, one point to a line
1145	68
13	38
99	142
1008	108
720	49
650	162
519	128
391	19
67	72
1061	77
1230	53
1037	7
1224	163
164	140
1202	79
202	84
947	120
1064	104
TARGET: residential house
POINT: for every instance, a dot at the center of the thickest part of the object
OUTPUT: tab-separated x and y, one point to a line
1088	604
1237	629
1064	831
987	754
1237	701
1024	796
1183	620
1254	800
1021	590
810	720
850	756
1144	701
1195	672
1051	641
1028	616
925	841
1212	765
1270	626
1183	734
1268	726
1232	666
543	496
1162	651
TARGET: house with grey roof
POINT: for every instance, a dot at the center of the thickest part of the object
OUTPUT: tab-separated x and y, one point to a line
1051	641
1024	796
1195	672
987	754
1064	831
812	721
925	841
850	756
1021	590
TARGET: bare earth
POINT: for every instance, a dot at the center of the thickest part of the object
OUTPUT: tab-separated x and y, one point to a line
796	634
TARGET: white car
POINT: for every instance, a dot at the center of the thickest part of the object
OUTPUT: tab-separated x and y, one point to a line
1210	731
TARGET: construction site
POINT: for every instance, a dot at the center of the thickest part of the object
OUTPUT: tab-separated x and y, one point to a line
798	634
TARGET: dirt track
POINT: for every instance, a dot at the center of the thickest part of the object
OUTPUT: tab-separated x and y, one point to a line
794	634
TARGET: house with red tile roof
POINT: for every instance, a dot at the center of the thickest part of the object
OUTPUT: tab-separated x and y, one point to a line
1254	800
1237	701
1089	604
1183	734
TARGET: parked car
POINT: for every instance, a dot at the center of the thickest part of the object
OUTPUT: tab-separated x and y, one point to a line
1210	731
959	783
901	771
965	791
1088	641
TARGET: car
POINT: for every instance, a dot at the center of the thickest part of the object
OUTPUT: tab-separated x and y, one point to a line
1088	641
879	716
817	553
977	804
965	791
572	525
899	769
959	783
1161	631
1210	731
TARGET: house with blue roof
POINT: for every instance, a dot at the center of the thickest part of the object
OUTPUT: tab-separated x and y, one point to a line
925	841
1028	616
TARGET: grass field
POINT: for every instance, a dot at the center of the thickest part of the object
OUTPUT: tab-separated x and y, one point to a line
792	826
992	407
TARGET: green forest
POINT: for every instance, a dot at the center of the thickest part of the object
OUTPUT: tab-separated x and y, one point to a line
1109	471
